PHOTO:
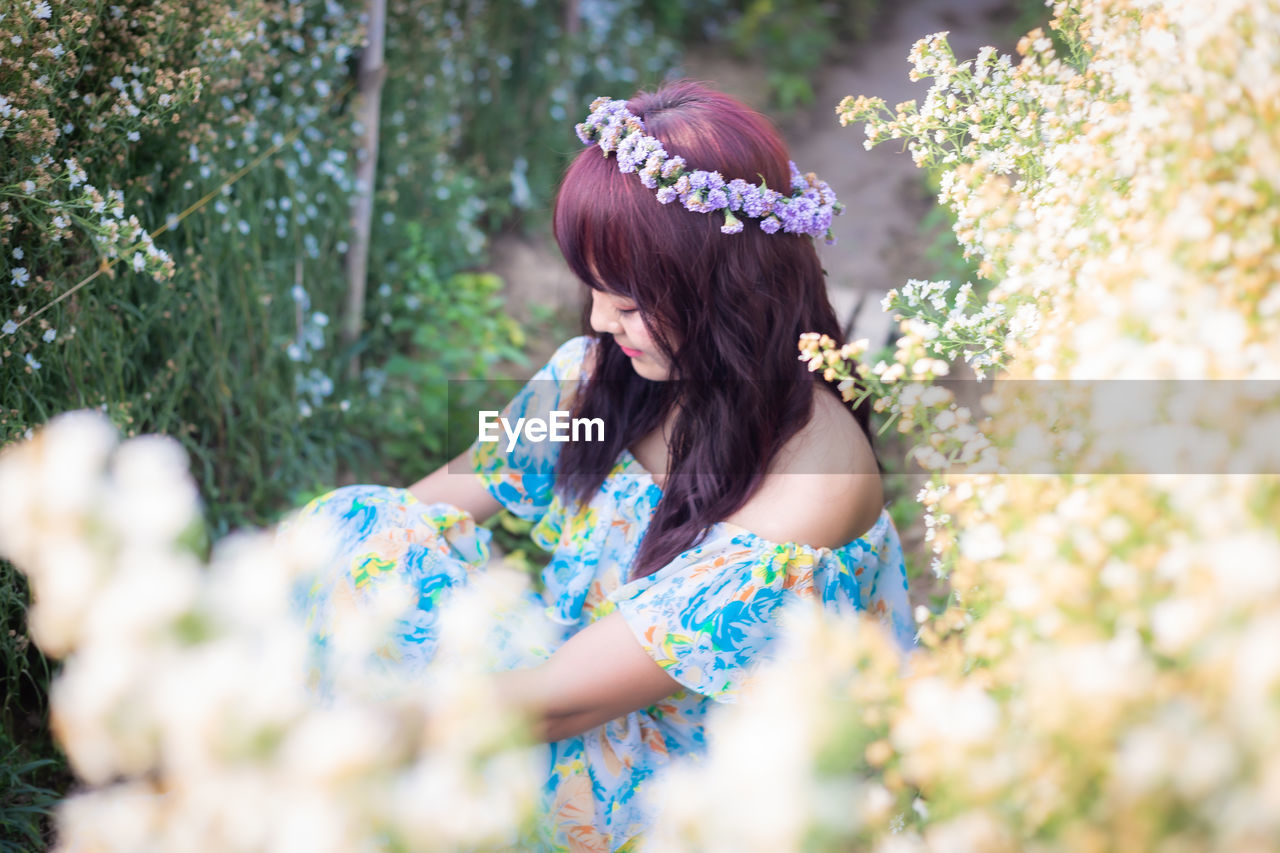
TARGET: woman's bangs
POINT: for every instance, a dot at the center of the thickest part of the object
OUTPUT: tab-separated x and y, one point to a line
599	228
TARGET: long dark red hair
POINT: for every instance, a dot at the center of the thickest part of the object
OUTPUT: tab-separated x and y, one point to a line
736	303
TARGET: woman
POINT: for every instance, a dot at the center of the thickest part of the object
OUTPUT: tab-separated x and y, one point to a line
729	481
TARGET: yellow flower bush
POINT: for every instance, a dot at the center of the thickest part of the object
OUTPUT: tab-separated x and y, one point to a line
1105	676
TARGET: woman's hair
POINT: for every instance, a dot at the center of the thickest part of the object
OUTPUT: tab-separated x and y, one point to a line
726	310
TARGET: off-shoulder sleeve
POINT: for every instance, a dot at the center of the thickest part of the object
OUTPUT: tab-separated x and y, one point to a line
712	616
882	574
521	477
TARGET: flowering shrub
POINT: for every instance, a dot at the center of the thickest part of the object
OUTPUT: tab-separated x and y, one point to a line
1104	674
182	703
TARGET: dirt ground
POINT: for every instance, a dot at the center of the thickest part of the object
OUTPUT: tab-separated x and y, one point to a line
878	238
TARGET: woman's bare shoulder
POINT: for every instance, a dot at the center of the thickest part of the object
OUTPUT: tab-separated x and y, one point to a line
824	488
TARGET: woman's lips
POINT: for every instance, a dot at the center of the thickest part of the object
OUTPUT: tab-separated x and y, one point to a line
633	353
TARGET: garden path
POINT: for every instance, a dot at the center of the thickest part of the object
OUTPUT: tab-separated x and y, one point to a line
879	245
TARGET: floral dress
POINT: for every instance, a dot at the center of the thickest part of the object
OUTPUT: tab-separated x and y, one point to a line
706	618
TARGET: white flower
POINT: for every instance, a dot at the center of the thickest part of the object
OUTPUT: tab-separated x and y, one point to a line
49	335
9	327
75	175
42	10
18	253
982	542
19	276
152	497
31	360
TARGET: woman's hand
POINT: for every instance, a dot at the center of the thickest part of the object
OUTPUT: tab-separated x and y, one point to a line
462	488
599	674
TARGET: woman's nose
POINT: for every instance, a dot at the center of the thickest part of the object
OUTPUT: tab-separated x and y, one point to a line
603	319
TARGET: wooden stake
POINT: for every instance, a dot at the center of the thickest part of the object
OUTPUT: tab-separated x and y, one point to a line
368	112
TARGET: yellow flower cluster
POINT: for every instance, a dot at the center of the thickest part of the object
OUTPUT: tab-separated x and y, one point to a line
1105	676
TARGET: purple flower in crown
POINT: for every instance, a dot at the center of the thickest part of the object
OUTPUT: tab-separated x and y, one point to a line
821	222
652	169
698	201
737	190
825	195
649	147
758	201
635	150
610	136
807	210
626	154
710	194
798	181
798	216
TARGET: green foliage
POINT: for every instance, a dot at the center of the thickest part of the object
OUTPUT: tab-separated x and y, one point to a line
940	249
511	536
21	666
26	800
30	767
494	97
794	39
437	329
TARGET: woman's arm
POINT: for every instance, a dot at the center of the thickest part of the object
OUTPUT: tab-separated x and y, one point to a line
462	488
599	674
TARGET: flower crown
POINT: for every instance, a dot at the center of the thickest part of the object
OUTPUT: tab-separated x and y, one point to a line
808	210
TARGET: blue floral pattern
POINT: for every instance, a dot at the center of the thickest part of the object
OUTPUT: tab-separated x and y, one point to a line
708	618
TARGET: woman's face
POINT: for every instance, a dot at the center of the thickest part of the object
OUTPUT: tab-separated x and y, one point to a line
618	316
